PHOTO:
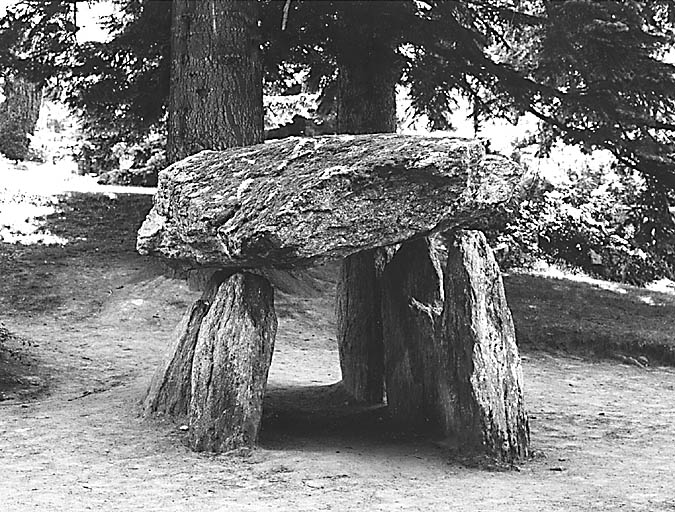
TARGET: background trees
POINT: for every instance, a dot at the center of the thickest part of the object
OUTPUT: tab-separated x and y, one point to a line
592	72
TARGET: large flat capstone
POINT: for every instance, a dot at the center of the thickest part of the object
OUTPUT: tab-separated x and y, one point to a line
297	201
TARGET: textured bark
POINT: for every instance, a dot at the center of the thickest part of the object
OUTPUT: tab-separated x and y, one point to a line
483	401
19	114
294	202
231	361
216	77
412	307
171	388
22	104
368	71
360	327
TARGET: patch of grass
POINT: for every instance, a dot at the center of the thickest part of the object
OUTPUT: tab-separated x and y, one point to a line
592	316
99	230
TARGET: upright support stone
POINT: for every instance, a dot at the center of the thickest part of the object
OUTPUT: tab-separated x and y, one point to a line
231	362
171	388
412	307
484	393
359	327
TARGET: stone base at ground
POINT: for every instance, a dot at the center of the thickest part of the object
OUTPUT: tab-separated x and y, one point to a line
231	361
483	404
359	327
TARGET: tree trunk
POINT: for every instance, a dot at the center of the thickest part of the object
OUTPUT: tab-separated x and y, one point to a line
19	114
483	400
368	71
171	388
231	361
366	103
216	77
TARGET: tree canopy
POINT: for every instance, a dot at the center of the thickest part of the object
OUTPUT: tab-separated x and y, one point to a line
595	73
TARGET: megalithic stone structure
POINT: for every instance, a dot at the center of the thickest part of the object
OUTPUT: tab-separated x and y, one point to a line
297	202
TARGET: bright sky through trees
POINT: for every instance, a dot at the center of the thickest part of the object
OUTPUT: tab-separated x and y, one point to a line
89	18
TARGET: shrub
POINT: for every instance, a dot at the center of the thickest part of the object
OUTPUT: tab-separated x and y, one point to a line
609	222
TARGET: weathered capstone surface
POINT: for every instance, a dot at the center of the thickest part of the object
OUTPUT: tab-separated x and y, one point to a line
291	202
231	360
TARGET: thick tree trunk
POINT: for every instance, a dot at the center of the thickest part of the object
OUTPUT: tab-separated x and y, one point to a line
171	386
231	361
366	93
366	103
360	327
368	71
216	77
19	114
483	400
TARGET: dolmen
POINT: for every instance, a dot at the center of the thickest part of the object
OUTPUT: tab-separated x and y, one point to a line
423	322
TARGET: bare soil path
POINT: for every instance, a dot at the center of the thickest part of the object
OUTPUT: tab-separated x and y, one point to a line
91	319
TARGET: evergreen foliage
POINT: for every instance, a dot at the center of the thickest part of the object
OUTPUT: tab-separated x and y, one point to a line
609	222
592	71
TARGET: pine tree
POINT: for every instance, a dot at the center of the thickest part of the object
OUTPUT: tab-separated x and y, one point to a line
593	72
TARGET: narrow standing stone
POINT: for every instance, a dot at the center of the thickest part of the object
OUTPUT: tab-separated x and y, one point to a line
359	327
230	365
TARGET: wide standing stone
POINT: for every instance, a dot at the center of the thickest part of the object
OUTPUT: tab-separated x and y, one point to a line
482	391
171	385
294	202
412	308
231	362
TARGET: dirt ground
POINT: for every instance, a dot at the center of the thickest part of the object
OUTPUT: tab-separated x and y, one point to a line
90	320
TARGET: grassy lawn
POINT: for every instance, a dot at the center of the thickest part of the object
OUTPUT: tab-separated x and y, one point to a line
564	312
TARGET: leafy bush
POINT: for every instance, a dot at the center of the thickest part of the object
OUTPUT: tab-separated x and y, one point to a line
608	222
14	143
119	162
